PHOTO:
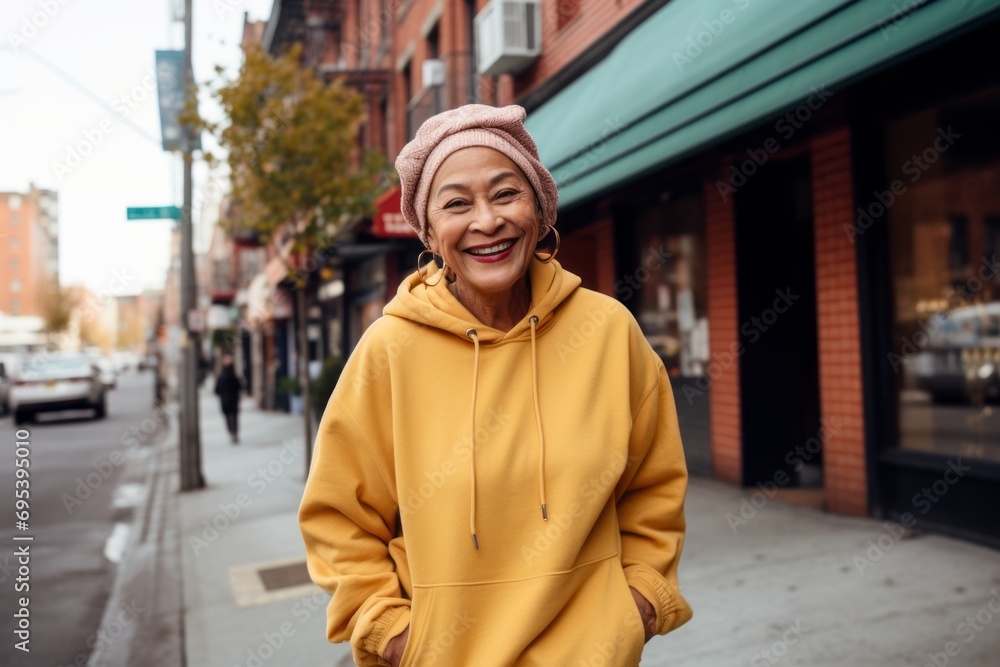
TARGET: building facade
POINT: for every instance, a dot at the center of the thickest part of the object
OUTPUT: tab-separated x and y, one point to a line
29	250
798	203
801	218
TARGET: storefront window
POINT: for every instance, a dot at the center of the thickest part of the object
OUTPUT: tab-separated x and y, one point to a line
665	284
943	210
669	272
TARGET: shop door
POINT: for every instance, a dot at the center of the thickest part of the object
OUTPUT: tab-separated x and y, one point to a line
779	377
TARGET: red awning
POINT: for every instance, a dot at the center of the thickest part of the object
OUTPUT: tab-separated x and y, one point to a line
388	220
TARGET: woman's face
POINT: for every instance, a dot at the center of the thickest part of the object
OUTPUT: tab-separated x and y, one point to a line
483	219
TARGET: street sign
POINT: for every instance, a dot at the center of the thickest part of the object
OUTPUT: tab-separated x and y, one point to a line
154	213
170	82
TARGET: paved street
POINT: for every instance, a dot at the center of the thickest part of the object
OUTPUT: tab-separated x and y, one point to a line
80	513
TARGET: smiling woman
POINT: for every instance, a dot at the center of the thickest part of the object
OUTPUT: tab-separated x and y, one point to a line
480	498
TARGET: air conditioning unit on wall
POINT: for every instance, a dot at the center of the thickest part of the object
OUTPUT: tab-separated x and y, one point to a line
433	71
508	35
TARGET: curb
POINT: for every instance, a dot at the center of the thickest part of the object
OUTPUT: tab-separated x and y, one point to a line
143	620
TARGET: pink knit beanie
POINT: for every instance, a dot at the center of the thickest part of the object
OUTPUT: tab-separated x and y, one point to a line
499	128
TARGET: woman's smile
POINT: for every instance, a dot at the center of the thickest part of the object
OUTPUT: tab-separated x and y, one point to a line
495	252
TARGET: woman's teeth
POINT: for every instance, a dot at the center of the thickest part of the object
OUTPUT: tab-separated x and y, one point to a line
492	250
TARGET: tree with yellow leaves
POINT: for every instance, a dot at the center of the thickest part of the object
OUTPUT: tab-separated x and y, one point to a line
296	165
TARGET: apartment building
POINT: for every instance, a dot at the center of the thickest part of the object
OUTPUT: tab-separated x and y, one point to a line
29	249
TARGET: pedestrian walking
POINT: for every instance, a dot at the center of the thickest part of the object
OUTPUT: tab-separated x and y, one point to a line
498	478
228	387
159	380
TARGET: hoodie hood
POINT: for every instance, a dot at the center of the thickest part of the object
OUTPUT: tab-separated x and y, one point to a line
436	306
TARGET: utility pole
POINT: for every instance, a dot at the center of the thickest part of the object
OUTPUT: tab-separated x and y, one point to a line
190	440
303	370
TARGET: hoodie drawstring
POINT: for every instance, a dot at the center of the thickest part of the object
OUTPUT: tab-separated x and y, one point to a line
471	333
538	421
474	337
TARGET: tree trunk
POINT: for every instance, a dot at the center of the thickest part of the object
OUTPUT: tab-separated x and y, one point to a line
304	373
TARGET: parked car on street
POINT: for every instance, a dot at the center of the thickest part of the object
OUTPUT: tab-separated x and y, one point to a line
62	381
125	361
4	387
106	371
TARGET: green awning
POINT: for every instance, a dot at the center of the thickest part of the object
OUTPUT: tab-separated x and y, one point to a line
700	71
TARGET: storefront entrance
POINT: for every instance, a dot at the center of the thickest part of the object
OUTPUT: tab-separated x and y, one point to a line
779	378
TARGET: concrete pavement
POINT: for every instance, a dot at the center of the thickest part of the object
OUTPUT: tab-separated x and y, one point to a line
247	596
790	586
795	586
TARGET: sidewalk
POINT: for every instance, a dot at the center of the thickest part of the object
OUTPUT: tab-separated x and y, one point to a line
785	587
791	586
247	595
796	586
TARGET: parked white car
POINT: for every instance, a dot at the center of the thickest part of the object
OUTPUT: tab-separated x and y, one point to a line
106	371
125	361
5	381
61	381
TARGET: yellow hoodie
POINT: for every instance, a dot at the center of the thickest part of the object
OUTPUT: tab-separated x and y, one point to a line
497	491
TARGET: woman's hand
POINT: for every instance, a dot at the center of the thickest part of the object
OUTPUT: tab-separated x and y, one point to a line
646	611
394	649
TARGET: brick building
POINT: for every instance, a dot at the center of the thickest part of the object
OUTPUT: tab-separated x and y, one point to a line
29	249
798	203
832	343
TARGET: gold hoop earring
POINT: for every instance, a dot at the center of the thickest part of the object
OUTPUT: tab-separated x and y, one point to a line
423	274
545	259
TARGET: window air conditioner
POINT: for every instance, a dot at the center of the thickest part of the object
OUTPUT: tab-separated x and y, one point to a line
508	35
433	73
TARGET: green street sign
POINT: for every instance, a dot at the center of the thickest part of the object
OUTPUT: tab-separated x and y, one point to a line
154	213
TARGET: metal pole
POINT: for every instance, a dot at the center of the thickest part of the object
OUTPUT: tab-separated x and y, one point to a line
304	371
190	441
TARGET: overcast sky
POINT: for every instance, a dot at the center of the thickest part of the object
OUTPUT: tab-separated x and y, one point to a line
76	75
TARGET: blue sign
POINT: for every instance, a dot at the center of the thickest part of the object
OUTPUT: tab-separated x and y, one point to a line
170	93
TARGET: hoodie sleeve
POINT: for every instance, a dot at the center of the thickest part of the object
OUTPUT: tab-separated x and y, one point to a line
651	504
348	517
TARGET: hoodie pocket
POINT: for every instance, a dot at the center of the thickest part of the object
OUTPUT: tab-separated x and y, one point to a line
440	629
